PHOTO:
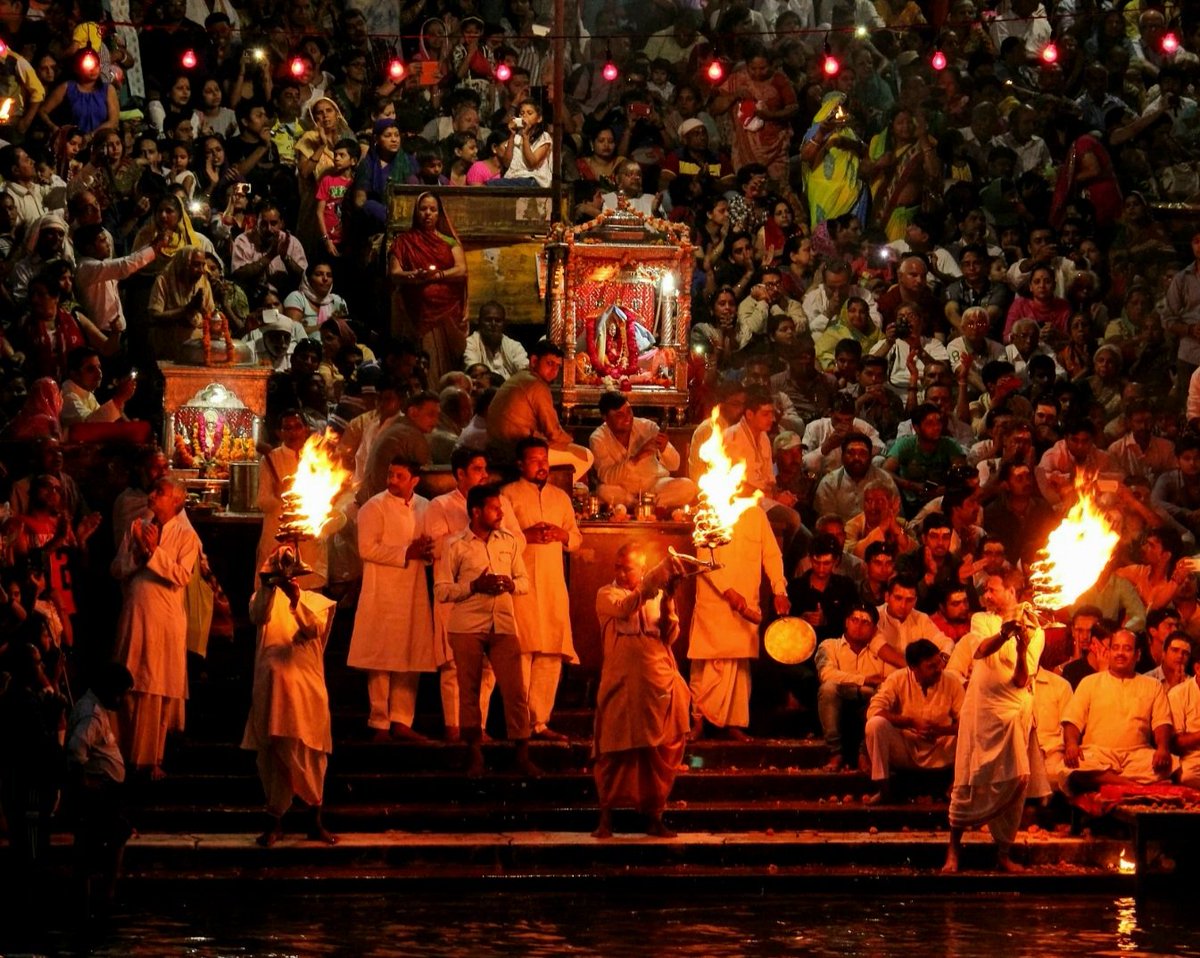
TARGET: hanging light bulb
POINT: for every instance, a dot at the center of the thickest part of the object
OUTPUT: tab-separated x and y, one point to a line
503	72
89	61
396	70
830	64
716	70
610	71
938	60
1050	53
861	31
188	59
297	67
1170	43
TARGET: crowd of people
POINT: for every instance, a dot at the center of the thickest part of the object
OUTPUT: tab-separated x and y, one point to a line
933	303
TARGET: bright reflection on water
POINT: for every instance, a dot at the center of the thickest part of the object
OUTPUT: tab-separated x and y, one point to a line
704	925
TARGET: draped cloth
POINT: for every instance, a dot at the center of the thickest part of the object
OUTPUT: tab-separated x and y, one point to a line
833	185
437	310
307	227
1102	190
40	413
755	139
887	187
641	704
998	760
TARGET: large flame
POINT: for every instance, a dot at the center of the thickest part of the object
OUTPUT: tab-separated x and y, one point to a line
319	478
1075	555
721	501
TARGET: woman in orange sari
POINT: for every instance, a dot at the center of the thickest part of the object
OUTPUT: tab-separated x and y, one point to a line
428	266
764	102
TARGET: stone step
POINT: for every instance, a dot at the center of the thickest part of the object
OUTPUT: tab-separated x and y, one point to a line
566	788
501	854
442	818
356	756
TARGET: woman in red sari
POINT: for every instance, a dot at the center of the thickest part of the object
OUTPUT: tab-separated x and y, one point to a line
764	102
1088	174
430	271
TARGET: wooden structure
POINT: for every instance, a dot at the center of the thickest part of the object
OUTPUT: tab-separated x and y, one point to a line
620	309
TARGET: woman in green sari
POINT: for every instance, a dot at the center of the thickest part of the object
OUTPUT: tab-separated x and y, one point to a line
831	153
901	162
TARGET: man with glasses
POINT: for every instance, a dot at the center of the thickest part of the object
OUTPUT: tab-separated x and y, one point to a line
767	298
823	303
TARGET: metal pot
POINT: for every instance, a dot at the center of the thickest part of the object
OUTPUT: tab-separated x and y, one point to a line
243	487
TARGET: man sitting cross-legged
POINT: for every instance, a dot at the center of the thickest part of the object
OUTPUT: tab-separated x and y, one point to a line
1117	727
912	721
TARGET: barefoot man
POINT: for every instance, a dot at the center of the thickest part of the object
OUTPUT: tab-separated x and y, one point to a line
642	704
997	760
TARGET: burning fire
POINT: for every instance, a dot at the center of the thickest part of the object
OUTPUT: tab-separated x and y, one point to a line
1075	555
319	478
721	502
1125	866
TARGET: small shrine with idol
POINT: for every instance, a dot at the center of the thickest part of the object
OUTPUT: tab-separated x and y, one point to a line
620	309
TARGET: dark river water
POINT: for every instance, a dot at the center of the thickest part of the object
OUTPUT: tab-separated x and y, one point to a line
705	926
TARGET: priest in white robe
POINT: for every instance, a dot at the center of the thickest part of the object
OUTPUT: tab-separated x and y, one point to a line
393	638
725	622
998	761
289	724
154	565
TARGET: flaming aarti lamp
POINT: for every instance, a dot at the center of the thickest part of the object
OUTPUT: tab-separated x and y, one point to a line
308	501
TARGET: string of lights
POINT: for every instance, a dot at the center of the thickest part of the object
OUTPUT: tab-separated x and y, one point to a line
715	69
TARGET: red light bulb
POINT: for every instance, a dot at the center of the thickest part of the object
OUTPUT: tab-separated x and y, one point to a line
297	67
1050	53
716	71
1170	43
89	62
610	71
3	49
503	72
188	59
396	70
938	60
831	65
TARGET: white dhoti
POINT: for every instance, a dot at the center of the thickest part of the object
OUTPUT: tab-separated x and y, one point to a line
1189	775
289	768
890	747
721	691
998	804
1134	764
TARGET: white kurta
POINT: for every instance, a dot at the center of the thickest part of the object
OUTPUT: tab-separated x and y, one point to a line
152	631
289	698
717	631
543	614
446	515
997	754
393	628
1184	701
